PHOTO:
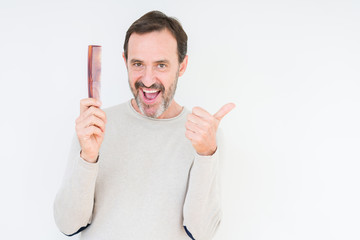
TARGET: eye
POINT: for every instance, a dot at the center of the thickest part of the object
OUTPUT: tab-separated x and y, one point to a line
161	65
137	64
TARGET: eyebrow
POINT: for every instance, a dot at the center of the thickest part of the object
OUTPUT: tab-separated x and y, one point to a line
163	61
135	60
159	61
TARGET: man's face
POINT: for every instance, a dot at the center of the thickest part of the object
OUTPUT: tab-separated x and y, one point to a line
153	69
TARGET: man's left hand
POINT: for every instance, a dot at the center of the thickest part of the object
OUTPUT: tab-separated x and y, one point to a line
201	128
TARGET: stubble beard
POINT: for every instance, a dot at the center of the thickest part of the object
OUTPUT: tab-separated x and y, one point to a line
165	101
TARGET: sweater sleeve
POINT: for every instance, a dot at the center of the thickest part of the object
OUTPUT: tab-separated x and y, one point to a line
74	201
202	207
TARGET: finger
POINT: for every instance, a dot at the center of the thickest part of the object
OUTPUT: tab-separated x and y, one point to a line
198	111
197	120
86	133
188	134
94	111
224	110
191	135
92	130
190	126
87	102
93	121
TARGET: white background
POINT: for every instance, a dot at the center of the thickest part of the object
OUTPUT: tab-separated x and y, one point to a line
291	166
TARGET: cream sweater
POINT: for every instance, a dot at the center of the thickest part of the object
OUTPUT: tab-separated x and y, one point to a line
149	183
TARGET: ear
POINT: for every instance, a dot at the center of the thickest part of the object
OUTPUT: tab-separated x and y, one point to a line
123	54
183	66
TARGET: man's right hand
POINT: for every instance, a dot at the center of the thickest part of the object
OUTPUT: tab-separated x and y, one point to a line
90	128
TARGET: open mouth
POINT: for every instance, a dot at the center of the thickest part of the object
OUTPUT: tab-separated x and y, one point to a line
149	96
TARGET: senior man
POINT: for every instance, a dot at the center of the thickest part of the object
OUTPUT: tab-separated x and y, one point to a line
153	171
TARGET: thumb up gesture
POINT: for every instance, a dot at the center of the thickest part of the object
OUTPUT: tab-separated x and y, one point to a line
201	128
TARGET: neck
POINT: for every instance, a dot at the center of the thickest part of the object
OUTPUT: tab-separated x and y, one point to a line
172	111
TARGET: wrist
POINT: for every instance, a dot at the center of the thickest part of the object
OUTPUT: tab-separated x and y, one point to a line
90	159
207	153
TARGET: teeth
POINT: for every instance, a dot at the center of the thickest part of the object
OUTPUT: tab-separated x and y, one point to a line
150	91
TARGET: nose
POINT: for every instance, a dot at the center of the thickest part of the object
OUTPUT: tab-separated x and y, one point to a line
148	77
